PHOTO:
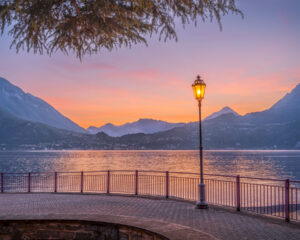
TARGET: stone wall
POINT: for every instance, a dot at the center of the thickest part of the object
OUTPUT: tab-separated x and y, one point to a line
71	229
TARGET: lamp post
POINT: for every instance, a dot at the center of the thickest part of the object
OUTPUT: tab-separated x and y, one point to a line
199	90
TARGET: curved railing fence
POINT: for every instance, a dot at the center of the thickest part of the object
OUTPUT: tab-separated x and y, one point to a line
264	196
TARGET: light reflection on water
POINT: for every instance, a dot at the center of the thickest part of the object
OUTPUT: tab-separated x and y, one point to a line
267	164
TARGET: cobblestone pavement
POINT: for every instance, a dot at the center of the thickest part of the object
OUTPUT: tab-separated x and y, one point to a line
219	223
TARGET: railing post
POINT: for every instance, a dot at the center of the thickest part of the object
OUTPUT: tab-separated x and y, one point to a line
136	182
238	193
108	179
81	182
2	182
167	184
29	183
55	182
287	200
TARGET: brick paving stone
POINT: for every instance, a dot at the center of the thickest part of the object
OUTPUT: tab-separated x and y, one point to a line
219	223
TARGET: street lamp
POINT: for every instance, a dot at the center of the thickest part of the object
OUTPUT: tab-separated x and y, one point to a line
199	90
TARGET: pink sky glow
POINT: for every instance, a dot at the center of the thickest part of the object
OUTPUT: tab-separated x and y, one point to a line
248	66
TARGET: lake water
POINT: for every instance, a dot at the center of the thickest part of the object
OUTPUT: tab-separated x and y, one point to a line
267	164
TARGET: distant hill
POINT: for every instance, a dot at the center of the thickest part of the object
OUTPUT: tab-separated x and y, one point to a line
140	126
217	135
26	106
275	128
148	125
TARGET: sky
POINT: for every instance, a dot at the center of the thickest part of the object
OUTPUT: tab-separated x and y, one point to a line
248	66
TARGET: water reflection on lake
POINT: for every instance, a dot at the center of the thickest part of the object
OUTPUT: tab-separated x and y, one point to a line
271	164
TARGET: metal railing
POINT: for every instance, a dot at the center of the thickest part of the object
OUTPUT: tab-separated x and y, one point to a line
273	197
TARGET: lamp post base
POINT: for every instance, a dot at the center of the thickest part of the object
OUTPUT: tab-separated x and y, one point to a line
202	204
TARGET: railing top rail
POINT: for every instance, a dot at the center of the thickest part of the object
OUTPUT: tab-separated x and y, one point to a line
152	171
206	174
294	181
264	179
186	173
234	176
219	175
22	173
102	171
77	172
133	171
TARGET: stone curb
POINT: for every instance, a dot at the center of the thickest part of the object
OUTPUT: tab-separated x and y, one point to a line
169	230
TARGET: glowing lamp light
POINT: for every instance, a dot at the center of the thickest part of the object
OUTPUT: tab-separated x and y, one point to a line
199	88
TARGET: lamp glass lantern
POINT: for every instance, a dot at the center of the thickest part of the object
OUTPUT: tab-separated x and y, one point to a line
199	88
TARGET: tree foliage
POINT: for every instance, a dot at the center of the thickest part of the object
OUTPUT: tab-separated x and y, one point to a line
87	26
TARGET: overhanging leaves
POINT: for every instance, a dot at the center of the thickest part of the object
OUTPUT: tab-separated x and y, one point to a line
87	26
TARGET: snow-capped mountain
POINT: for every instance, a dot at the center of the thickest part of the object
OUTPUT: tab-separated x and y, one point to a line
26	106
140	126
224	110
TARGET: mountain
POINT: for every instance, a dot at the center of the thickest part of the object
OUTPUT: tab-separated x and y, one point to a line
224	132
275	128
140	126
148	125
285	110
17	132
26	106
224	110
20	134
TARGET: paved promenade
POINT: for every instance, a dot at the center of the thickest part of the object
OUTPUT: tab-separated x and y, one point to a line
169	217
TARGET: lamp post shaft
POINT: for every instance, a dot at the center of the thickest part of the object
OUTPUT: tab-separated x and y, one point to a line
199	90
200	142
202	204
